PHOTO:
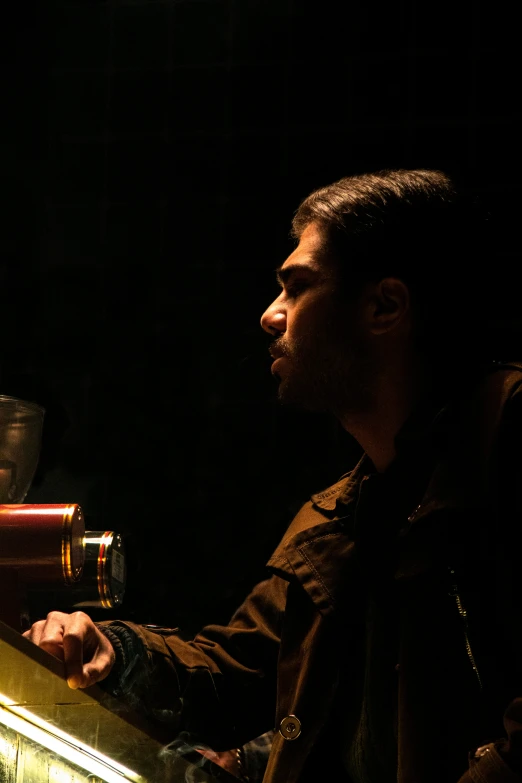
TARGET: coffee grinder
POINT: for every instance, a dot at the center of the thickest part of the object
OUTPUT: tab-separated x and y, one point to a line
45	546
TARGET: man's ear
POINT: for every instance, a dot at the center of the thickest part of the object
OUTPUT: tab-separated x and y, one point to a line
389	305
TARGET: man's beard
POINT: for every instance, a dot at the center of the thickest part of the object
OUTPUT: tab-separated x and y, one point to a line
332	375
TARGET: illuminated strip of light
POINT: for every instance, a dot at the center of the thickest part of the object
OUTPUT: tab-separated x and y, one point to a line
50	728
66	746
8	750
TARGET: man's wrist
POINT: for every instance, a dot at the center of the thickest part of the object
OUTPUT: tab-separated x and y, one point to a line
120	645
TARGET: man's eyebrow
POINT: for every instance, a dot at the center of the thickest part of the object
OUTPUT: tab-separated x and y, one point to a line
283	274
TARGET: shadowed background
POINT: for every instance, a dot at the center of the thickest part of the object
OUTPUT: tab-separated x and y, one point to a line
153	153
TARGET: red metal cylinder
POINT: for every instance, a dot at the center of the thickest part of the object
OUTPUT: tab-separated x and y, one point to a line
44	543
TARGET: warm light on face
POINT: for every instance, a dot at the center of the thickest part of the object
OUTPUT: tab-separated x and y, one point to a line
48	736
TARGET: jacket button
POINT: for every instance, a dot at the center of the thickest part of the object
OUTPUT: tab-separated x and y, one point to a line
290	727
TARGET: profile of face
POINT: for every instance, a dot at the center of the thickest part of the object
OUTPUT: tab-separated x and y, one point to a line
322	354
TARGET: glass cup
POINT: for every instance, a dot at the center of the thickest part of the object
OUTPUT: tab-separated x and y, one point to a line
21	425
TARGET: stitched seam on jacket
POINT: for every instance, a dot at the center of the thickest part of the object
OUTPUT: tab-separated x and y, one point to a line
313	568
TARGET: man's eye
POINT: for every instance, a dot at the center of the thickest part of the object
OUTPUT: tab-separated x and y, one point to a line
295	288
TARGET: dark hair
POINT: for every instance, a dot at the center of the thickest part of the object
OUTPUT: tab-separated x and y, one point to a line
418	226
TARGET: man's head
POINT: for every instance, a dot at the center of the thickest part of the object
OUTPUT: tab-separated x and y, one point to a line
385	275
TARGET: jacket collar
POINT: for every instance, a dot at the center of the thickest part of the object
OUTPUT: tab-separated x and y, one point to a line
337	504
458	440
457	437
346	490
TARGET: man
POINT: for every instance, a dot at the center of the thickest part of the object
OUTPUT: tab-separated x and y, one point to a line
387	643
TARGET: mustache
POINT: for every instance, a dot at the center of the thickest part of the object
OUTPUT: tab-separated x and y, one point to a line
278	348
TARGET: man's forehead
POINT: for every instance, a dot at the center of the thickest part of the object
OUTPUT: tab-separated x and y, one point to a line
312	238
309	253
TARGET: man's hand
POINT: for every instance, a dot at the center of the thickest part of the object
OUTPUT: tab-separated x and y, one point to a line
227	759
74	639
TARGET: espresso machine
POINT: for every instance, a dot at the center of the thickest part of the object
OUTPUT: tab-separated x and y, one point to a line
45	547
49	732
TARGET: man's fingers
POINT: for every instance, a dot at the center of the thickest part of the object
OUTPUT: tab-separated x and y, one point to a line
73	657
73	638
102	661
48	634
89	655
34	632
94	672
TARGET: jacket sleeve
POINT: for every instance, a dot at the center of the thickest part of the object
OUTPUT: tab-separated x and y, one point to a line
221	686
489	766
501	761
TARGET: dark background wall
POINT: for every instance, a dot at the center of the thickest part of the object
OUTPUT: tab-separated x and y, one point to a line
153	154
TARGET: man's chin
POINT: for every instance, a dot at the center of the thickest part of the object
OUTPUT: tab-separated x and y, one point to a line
285	393
292	397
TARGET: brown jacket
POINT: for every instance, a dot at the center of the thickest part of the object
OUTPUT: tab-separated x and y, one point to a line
454	566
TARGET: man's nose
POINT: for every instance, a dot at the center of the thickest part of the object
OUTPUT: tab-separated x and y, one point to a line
273	319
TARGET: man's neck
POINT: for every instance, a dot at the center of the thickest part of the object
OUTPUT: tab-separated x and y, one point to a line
375	429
